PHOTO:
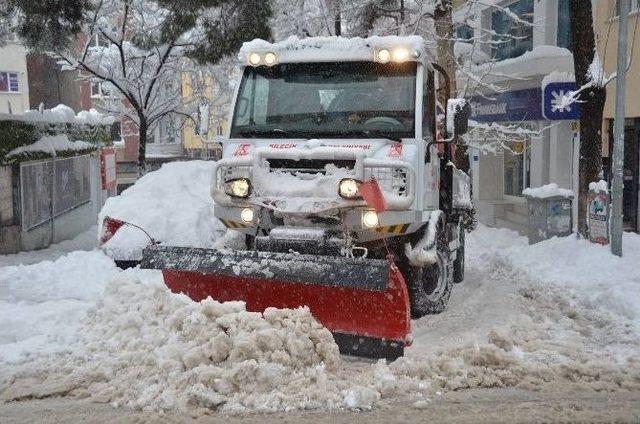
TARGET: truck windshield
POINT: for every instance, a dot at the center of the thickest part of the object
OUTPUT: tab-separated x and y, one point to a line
341	100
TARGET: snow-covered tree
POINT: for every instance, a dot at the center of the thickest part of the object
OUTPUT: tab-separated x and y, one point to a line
136	48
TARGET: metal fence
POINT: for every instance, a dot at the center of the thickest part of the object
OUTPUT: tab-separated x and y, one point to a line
52	187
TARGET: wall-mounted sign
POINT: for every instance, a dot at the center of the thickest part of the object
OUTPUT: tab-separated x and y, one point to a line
108	168
518	105
555	106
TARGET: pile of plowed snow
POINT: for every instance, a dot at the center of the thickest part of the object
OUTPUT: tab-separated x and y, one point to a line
147	348
173	204
41	305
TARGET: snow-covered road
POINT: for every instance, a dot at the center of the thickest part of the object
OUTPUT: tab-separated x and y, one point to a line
562	316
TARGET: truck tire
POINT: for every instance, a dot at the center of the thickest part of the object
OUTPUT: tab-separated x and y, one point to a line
430	286
458	263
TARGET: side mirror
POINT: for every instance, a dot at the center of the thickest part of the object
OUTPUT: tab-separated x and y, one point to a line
203	119
458	113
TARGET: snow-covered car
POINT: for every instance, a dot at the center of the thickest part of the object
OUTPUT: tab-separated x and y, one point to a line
171	205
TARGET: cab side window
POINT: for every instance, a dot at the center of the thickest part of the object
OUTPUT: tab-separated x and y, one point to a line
428	105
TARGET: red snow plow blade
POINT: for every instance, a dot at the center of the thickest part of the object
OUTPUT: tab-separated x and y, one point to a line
363	302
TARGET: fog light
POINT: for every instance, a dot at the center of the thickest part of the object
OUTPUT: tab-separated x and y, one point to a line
384	56
370	219
247	215
254	59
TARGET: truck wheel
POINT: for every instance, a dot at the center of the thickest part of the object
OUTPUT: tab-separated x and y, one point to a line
430	286
458	264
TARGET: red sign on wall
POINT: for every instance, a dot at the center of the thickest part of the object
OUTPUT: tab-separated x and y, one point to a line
108	168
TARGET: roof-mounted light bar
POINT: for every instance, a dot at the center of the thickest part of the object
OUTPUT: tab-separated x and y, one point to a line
397	54
257	59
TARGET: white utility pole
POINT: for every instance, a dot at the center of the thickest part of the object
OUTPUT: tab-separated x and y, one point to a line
618	134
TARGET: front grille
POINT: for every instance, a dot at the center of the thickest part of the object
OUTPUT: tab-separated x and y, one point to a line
391	180
312	166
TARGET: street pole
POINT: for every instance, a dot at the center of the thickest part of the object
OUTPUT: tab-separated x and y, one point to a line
618	134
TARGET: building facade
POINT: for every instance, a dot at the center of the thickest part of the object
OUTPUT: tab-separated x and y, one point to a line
201	92
519	70
606	24
14	82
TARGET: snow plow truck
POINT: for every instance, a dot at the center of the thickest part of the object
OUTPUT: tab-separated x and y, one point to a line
335	172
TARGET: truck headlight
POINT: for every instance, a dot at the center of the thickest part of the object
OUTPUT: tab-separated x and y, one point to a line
238	187
348	188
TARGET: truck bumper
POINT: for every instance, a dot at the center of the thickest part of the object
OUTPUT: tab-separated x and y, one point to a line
390	223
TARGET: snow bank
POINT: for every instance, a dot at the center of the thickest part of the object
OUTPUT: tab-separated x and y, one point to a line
41	304
146	348
173	204
546	191
587	270
51	144
64	114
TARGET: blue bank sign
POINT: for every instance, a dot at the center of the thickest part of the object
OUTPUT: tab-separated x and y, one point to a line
519	105
526	105
554	105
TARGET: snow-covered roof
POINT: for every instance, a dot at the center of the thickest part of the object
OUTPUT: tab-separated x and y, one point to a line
330	49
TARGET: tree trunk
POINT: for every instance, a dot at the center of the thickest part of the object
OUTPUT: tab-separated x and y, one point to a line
444	50
142	146
593	98
337	20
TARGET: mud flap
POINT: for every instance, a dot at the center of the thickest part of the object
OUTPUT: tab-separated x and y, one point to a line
363	302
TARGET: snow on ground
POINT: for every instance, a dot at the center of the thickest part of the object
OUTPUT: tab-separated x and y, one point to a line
560	313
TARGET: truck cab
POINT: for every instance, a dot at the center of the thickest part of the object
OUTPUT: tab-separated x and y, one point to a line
315	120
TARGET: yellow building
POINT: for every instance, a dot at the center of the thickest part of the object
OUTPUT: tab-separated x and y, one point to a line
201	92
606	25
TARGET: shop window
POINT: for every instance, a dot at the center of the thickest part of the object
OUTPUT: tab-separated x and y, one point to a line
9	82
512	38
516	168
464	32
564	24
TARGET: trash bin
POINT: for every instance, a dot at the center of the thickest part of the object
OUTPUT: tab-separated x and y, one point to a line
549	216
